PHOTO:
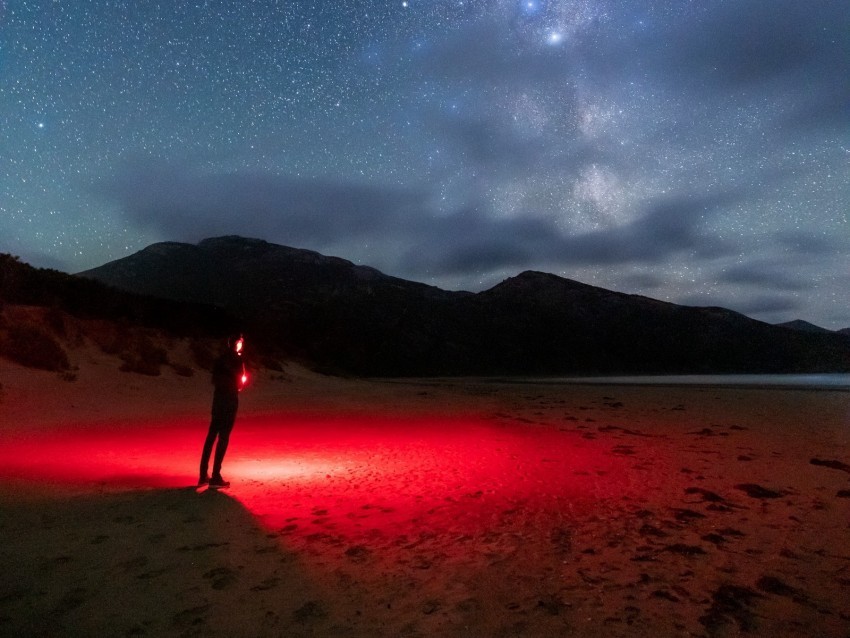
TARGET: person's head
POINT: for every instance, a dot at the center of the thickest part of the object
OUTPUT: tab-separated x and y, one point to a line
236	343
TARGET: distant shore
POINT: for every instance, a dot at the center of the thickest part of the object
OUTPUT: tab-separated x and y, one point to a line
829	381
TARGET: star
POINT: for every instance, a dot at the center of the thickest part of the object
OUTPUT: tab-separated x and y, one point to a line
530	6
673	133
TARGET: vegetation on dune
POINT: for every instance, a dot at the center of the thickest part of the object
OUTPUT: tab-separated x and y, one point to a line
84	298
45	313
32	346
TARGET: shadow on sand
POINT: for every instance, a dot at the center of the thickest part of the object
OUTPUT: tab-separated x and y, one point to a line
161	562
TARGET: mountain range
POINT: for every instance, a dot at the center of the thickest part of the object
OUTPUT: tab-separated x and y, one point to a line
347	318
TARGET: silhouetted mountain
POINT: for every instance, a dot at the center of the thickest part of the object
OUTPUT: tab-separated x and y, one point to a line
86	298
352	318
803	326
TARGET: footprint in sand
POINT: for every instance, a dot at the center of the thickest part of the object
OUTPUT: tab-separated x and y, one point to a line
685	515
685	550
707	496
835	465
358	553
268	583
714	539
623	450
773	585
309	611
73	599
221	577
190	617
133	564
154	573
757	491
731	605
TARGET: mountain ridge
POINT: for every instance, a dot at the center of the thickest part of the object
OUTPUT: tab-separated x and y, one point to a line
356	319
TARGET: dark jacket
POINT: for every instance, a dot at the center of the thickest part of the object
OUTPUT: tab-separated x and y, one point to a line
227	373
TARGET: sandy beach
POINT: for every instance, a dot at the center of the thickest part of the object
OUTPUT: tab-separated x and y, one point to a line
421	508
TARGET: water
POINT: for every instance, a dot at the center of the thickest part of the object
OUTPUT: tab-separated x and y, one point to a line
823	381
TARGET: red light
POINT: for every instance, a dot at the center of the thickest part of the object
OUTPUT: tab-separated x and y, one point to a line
243	380
239	343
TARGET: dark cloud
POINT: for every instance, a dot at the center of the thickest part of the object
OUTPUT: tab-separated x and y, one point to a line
751	42
770	307
727	46
764	276
500	149
182	204
785	63
767	304
642	281
665	228
473	242
806	243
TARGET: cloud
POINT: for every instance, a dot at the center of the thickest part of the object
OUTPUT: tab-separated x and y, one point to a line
488	53
768	304
806	243
180	203
665	228
749	42
770	307
763	276
795	54
643	281
412	237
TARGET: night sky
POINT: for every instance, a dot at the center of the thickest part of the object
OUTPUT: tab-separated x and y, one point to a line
691	151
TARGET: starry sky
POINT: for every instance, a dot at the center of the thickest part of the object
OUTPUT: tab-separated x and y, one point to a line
694	151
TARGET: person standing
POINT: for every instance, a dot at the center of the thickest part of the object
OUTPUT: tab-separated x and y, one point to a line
228	377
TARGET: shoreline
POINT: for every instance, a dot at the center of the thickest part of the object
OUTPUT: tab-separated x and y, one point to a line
835	382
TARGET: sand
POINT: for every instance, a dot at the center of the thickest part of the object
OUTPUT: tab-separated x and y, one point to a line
421	508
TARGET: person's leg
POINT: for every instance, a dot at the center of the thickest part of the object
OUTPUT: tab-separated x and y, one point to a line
218	420
224	431
207	451
221	449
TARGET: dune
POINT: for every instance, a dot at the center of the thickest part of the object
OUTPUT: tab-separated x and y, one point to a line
454	507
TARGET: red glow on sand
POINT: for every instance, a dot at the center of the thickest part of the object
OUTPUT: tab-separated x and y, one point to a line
426	471
374	499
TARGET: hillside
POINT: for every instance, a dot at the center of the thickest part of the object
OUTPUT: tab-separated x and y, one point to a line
355	319
46	315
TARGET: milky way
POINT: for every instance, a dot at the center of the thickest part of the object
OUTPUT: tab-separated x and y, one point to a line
696	152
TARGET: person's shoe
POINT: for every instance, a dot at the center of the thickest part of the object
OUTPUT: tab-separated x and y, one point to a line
203	480
217	481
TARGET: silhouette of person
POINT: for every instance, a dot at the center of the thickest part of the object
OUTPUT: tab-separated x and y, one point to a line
228	377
